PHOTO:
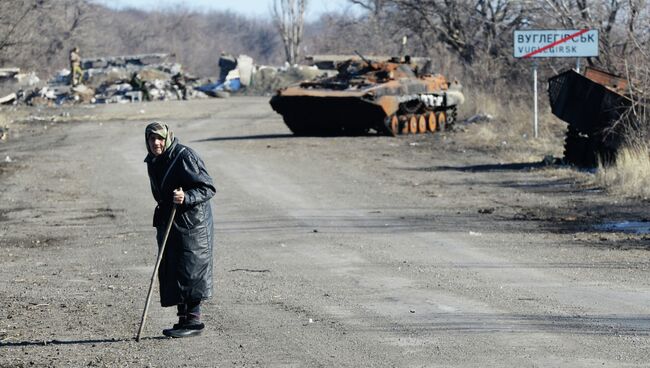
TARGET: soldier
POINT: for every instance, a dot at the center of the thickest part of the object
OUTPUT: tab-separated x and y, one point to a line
76	73
179	82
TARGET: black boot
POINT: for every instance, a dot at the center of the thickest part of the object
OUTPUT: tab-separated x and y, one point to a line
189	323
181	322
182	318
191	327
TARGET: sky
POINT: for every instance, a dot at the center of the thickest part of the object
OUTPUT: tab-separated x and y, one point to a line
256	8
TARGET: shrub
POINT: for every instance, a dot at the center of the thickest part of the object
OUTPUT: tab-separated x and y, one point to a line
510	132
629	175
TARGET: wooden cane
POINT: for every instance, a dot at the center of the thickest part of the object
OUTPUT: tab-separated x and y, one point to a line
155	273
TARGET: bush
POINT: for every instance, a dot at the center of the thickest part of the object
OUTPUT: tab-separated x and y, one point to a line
629	175
510	132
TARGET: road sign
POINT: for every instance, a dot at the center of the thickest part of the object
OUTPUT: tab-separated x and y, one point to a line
555	43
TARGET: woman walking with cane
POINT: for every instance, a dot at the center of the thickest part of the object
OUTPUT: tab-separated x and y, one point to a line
180	181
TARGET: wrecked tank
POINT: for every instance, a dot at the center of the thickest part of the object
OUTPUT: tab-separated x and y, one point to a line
388	98
592	104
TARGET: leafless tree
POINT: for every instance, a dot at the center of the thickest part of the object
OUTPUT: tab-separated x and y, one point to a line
375	7
37	34
289	19
12	17
17	19
618	22
467	27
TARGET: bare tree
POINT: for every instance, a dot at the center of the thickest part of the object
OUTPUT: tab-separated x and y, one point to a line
375	7
16	21
468	27
371	32
67	23
289	19
37	34
621	25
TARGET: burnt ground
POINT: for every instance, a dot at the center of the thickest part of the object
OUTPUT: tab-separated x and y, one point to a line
348	251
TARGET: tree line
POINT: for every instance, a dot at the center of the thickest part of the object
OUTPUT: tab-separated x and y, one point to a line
468	38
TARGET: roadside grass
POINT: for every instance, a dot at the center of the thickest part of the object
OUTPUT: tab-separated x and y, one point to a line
509	136
510	132
629	175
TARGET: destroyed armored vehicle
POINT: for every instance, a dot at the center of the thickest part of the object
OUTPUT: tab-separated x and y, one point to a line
385	97
593	104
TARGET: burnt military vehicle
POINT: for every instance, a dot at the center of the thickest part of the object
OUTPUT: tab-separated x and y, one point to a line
592	104
388	98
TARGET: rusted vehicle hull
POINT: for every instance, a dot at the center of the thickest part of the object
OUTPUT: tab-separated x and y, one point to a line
385	98
309	115
592	104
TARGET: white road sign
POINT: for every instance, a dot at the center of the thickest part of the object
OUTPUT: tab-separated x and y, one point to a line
555	43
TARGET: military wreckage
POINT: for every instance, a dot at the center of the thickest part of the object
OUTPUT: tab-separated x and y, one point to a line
390	97
595	105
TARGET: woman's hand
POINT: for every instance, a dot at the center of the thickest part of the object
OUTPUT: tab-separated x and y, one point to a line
179	196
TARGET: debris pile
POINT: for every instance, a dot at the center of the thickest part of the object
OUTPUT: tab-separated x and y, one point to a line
12	82
127	79
234	73
266	80
117	79
106	80
148	77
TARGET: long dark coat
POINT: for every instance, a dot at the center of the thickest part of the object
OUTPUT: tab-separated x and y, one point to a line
185	272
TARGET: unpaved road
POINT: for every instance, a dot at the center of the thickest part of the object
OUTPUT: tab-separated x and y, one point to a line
331	252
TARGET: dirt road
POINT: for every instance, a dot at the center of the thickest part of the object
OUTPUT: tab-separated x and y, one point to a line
415	251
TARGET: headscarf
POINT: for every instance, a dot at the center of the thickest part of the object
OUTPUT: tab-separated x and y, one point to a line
160	129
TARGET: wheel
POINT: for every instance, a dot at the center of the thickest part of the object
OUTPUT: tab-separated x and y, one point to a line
403	123
577	149
393	125
442	121
386	127
451	117
413	124
422	124
431	122
573	148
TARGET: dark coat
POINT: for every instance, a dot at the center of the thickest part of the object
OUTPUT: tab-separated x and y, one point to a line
185	272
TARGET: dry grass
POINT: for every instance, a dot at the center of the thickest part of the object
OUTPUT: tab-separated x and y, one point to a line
511	131
629	176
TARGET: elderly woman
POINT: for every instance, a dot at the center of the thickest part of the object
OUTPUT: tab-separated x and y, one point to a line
178	178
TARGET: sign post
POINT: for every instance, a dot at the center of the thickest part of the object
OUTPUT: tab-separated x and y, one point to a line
553	43
535	98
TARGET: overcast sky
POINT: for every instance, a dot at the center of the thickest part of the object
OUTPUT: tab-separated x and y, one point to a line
257	8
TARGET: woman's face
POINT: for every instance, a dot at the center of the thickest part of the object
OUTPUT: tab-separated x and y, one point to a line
156	144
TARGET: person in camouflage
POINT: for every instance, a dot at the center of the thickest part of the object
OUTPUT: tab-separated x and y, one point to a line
76	74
